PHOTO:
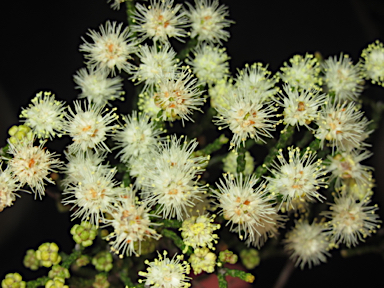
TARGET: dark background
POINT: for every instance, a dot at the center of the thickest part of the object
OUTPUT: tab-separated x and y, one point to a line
39	51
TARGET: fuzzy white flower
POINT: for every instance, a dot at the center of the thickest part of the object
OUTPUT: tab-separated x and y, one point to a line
299	177
157	62
95	195
218	92
343	125
167	273
342	78
209	63
300	107
32	165
208	21
345	166
178	96
147	105
8	187
116	4
83	162
245	117
307	244
45	115
351	221
257	80
111	48
303	72
160	20
90	127
243	205
138	136
97	87
198	231
373	62
131	224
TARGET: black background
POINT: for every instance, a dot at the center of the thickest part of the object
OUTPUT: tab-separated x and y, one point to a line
39	51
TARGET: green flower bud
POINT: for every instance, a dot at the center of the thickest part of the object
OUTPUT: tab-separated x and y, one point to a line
30	260
48	254
101	281
12	131
83	260
250	258
58	271
57	282
103	261
84	234
228	256
13	280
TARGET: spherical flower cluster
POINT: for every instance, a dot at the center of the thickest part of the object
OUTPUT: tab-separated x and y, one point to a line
30	260
246	118
97	87
171	178
209	64
157	62
32	165
8	187
167	273
56	282
13	280
303	72
298	178
45	115
139	136
178	96
300	107
343	125
84	234
103	261
373	62
243	205
345	166
160	21
343	78
351	221
257	80
48	254
90	127
203	260
307	244
208	21
110	49
198	231
93	196
131	226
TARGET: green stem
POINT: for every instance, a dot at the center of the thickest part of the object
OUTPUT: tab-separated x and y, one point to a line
71	258
190	45
247	277
170	223
241	159
222	282
285	135
213	147
38	282
176	240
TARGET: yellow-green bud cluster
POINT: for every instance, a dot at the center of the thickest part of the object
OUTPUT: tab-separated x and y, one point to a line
18	133
30	260
103	261
58	271
83	260
227	256
13	280
48	254
101	281
84	234
57	282
203	260
250	258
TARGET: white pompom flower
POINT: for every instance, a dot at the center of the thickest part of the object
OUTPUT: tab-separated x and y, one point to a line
89	127
373	62
32	165
343	78
244	205
351	221
300	107
245	117
307	244
167	273
343	125
111	49
298	178
160	20
97	87
45	115
208	21
8	188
